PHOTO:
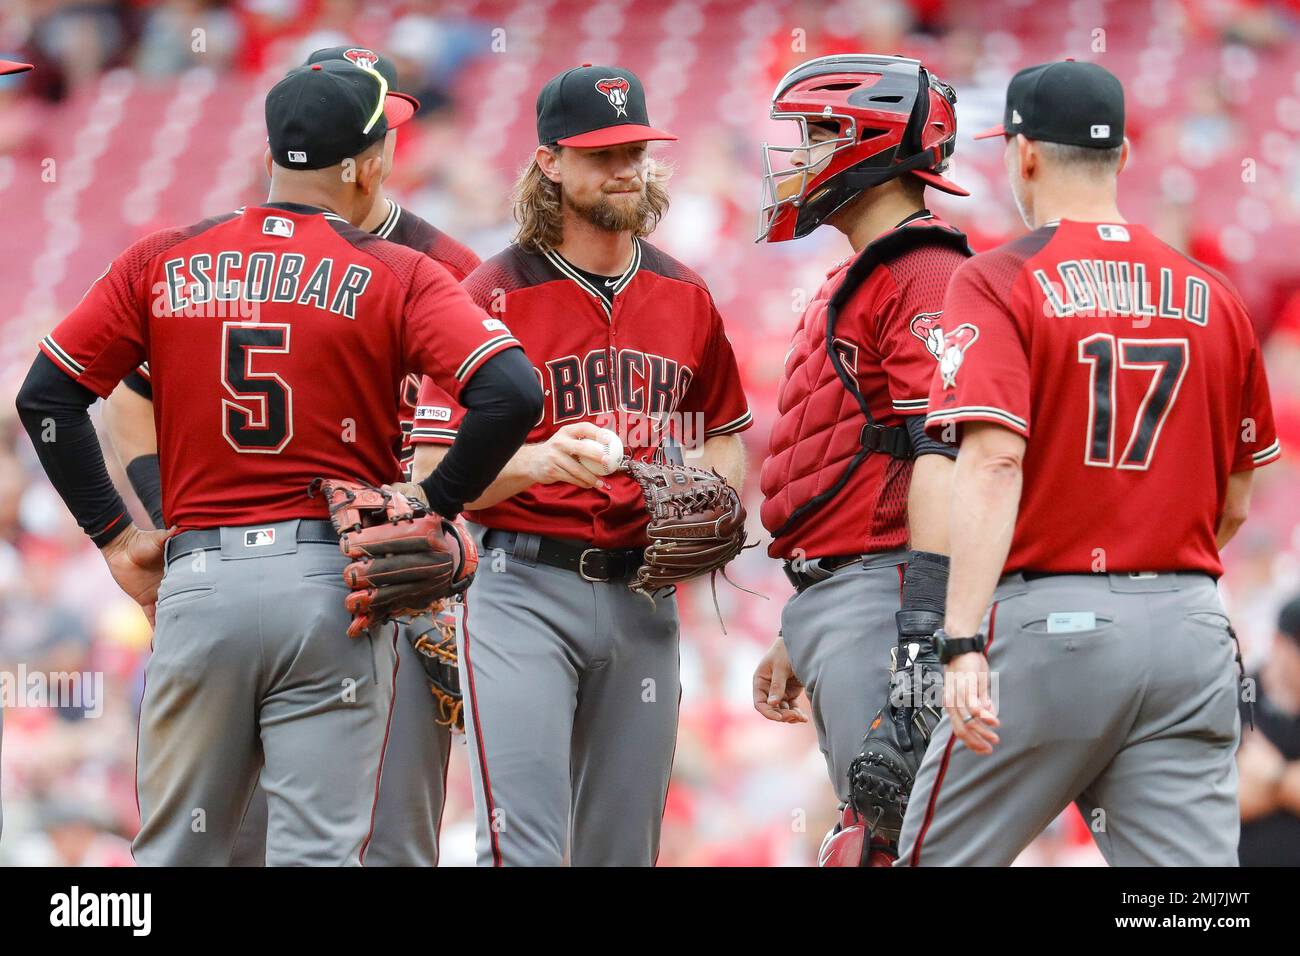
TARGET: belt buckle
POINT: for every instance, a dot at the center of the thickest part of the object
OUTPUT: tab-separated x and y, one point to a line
582	567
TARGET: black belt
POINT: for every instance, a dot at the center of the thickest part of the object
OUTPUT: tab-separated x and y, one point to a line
804	574
310	531
600	565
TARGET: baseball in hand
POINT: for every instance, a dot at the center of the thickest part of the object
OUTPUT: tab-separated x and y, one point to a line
606	452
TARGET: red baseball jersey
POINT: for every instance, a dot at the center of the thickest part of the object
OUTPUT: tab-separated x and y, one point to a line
658	353
888	337
278	340
1135	375
406	229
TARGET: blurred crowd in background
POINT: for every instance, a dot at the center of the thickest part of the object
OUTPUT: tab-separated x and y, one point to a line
141	114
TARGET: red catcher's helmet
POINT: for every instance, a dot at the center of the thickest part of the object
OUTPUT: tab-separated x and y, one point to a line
850	844
891	115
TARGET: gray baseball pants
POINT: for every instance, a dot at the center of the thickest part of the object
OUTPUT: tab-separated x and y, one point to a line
1133	719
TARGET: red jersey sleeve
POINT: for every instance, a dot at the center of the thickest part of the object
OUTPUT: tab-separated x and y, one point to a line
445	335
105	336
1257	441
437	416
716	391
909	336
983	373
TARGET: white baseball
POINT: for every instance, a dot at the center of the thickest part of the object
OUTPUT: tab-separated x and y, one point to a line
603	453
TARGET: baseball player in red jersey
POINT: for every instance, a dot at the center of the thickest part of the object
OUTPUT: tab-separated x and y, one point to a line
411	797
1110	402
252	672
854	491
571	679
8	67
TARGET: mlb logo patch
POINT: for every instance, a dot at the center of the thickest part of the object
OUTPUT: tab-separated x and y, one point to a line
1100	130
275	226
297	156
1113	233
259	537
495	325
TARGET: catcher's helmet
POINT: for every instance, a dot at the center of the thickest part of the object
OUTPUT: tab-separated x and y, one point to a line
891	115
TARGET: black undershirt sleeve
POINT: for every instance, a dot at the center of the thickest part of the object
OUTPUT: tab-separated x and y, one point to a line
53	409
145	476
923	444
502	402
139	384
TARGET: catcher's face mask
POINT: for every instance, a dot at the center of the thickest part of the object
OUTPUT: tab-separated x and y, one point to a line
889	116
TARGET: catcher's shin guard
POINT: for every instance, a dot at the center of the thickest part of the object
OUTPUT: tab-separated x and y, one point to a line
850	843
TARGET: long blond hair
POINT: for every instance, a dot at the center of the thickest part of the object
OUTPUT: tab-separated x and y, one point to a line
538	206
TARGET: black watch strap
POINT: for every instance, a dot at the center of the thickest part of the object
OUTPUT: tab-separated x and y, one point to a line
950	647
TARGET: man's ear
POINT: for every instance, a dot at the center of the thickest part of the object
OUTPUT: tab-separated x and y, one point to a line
1123	156
268	161
548	162
1028	153
370	173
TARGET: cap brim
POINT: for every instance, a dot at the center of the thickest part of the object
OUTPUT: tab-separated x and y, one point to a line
398	108
932	178
12	66
999	130
616	136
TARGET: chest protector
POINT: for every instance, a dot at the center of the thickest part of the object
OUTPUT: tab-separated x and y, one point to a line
822	411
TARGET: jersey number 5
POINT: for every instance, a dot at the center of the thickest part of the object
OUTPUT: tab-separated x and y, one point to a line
1166	362
258	418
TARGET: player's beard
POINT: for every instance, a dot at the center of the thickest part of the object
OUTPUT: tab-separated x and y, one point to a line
613	215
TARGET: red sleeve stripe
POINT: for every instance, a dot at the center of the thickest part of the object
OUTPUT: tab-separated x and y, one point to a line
1272	453
735	425
979	413
447	435
483	353
60	357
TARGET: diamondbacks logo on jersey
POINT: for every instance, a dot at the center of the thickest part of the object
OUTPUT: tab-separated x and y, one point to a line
955	344
926	327
605	380
366	59
615	90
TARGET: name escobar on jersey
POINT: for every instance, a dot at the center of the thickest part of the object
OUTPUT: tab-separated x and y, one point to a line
267	277
1102	287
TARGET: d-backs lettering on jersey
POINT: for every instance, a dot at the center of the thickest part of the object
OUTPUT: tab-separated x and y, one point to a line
406	229
660	349
1135	375
255	397
888	337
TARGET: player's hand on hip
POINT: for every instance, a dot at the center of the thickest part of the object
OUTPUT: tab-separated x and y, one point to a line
135	559
409	490
968	703
565	456
776	688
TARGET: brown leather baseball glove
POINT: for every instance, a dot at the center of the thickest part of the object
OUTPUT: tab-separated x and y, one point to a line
405	559
434	637
697	524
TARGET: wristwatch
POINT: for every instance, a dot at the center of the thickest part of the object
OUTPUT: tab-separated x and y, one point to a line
950	647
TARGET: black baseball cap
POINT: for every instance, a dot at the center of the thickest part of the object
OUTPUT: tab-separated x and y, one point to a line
400	106
594	106
1078	104
13	66
319	115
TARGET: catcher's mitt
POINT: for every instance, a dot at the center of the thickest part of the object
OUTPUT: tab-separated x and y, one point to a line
434	636
697	523
881	777
405	559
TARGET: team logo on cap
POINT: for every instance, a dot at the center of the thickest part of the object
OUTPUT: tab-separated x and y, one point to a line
615	90
926	327
955	344
366	59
